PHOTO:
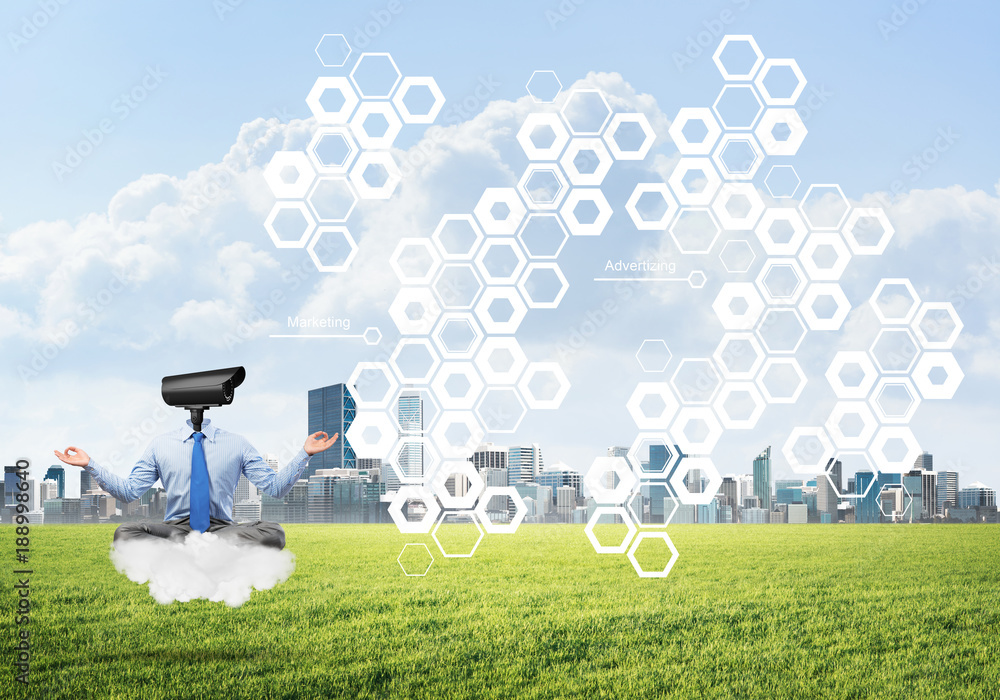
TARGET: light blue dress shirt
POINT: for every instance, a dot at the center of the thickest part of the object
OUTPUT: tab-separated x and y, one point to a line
168	458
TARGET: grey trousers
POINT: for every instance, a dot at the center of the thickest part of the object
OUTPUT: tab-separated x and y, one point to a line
259	532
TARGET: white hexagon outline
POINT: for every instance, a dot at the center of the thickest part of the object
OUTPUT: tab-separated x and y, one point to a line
649	136
590	194
650	188
450	369
500	195
840	410
907	498
367	141
799	85
517	397
559	223
727	139
734	241
380	420
789	215
895	281
738	290
860	453
397	253
430	458
737	86
449	451
805	216
332	82
462	467
521	285
812	294
306	214
407	296
386	370
357	65
414	544
496	377
895	329
422	526
929	361
289	159
680	394
342	230
741	223
344	132
451	265
431	350
522	186
393	175
712	181
328	178
475	521
712	131
445	220
794	189
462	316
520	510
610	510
826	238
782	309
924	341
697	251
765	131
670	355
728	389
880	410
495	241
636	462
852	220
868	370
530	371
762	385
569	98
642	573
705	497
697	447
747	38
586	143
877	449
404	111
599	468
346	55
825	444
766	293
532	95
639	394
532	122
739	335
491	325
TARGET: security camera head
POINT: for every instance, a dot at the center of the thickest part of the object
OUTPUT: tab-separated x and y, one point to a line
198	391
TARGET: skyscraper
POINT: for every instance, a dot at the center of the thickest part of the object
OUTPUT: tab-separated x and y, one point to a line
410	413
925	461
835	470
947	490
525	462
489	456
826	499
58	474
86	481
332	410
977	495
762	478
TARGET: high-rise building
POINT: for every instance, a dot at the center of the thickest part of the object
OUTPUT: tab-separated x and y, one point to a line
47	490
58	474
913	482
835	471
977	495
343	496
410	456
565	502
86	481
561	475
246	511
730	489
489	456
826	498
293	508
524	462
498	508
947	490
332	410
924	462
762	478
10	481
245	491
928	507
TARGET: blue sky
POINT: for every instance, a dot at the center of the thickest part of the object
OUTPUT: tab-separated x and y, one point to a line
887	93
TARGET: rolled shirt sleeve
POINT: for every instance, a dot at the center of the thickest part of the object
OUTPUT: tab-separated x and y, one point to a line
143	475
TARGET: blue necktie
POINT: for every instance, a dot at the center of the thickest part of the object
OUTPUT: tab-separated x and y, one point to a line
199	485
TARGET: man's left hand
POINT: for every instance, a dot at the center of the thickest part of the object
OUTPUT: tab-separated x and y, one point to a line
317	442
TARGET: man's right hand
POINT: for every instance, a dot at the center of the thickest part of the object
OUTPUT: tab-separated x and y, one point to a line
74	456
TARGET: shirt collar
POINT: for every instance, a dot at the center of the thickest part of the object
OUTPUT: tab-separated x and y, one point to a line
206	427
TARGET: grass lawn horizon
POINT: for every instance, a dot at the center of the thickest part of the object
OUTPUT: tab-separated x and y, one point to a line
789	611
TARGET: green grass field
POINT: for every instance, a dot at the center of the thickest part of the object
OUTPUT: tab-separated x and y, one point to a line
795	611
